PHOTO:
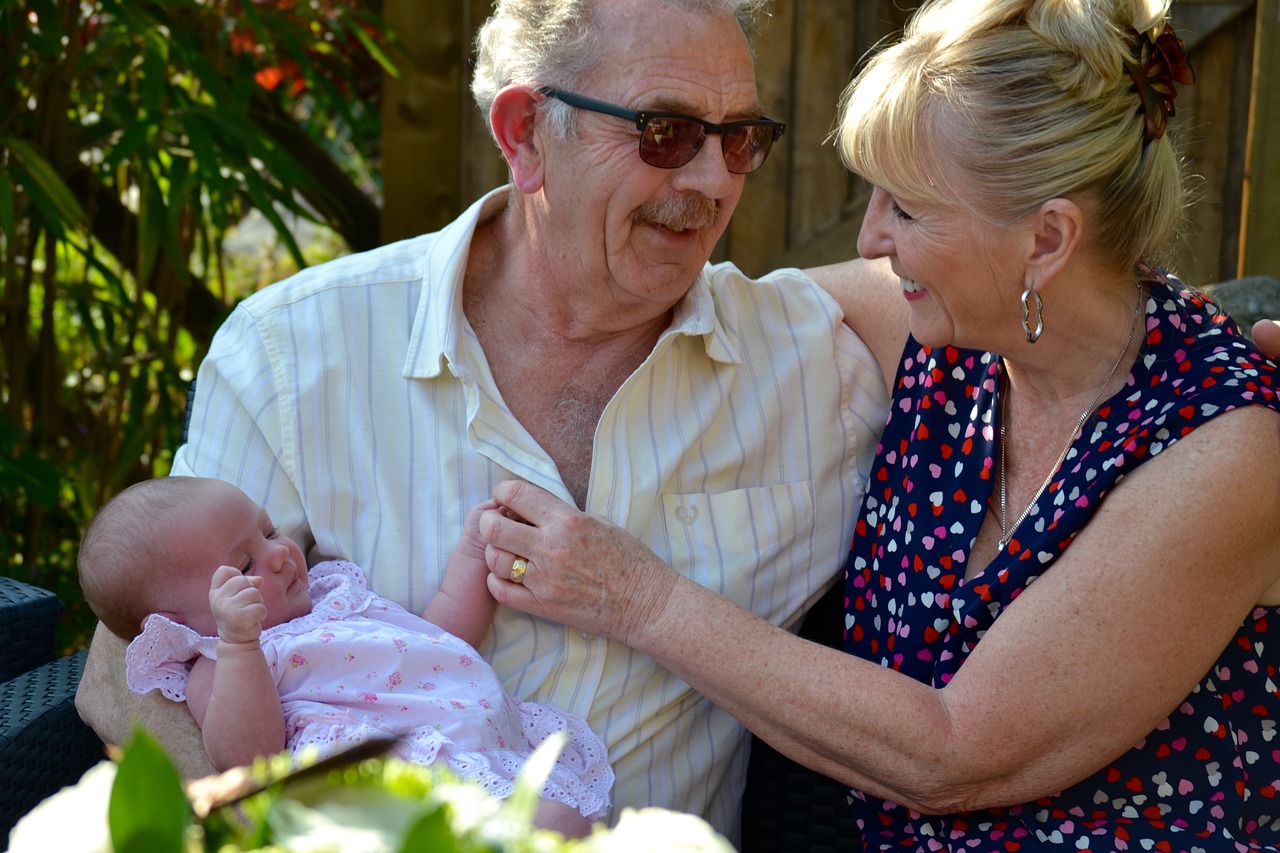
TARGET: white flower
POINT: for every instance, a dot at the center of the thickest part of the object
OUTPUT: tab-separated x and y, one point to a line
74	820
655	830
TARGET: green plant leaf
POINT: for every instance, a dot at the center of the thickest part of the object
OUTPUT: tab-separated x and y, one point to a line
6	206
374	49
37	477
148	812
47	180
431	833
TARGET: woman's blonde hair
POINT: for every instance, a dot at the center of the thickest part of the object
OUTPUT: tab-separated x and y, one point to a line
999	105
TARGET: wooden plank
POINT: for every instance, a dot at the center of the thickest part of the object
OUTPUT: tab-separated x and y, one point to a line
758	230
825	54
421	115
1259	248
1207	129
484	166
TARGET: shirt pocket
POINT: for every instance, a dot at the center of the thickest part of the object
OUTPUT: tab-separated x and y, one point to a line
744	542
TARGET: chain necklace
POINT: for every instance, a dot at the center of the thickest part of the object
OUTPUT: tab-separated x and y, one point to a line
1006	531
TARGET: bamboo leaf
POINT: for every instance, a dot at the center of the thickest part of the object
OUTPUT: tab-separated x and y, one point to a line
130	141
6	206
151	222
374	49
41	175
263	199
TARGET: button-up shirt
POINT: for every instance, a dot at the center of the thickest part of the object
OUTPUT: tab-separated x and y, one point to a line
355	403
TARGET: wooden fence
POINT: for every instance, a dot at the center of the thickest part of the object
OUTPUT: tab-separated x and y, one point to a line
803	208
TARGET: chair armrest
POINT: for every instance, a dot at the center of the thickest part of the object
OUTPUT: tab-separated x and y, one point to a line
44	746
28	625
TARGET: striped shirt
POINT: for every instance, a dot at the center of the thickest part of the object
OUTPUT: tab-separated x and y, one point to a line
354	402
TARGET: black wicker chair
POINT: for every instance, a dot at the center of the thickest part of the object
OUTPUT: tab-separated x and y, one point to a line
788	808
44	746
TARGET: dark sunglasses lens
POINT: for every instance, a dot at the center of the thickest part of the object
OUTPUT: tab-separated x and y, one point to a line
669	143
746	147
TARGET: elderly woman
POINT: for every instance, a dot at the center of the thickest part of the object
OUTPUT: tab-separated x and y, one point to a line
1024	671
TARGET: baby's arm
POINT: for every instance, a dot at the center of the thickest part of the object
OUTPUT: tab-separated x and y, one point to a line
463	606
234	698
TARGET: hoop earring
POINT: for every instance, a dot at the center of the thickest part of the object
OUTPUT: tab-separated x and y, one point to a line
1032	336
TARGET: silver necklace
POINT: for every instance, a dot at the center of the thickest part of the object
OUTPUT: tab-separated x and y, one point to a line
1006	532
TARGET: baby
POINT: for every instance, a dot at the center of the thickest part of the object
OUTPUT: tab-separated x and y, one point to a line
222	612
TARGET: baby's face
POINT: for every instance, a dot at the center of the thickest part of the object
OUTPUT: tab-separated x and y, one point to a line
228	529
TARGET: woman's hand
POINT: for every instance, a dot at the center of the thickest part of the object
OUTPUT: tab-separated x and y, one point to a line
583	571
1266	334
237	605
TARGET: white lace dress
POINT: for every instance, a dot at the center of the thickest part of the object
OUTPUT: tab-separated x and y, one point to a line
359	666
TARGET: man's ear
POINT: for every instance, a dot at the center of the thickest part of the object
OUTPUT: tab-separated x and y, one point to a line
1058	231
513	119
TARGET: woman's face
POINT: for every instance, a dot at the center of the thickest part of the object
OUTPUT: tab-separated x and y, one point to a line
962	276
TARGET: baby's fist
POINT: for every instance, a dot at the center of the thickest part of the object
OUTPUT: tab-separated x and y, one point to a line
237	605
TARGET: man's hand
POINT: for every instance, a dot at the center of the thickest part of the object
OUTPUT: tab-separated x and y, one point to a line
237	605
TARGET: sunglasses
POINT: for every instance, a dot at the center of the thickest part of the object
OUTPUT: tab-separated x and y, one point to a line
669	140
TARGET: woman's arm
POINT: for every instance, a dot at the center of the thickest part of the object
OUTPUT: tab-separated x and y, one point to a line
1079	668
463	606
873	304
234	699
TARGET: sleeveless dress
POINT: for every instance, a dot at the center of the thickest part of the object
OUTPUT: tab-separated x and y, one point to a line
360	666
1207	777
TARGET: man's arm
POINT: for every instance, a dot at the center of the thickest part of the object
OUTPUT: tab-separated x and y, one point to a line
113	711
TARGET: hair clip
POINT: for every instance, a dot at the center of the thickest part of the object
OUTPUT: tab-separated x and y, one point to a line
1156	66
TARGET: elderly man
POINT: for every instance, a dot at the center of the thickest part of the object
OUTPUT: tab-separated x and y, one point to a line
568	331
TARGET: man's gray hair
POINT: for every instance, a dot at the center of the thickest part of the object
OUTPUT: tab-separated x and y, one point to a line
556	42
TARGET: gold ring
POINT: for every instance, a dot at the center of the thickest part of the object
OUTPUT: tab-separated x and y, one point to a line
518	569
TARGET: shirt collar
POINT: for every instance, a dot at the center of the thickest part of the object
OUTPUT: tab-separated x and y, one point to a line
439	326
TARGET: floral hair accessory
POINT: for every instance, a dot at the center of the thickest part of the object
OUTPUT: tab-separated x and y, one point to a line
1157	64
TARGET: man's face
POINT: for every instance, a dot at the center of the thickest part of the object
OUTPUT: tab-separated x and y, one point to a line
612	219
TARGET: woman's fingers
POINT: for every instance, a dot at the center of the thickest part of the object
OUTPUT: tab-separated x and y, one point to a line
1266	333
529	502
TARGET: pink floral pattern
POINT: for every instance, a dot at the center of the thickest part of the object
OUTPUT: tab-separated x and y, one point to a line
462	716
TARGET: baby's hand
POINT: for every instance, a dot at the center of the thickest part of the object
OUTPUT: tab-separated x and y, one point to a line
237	605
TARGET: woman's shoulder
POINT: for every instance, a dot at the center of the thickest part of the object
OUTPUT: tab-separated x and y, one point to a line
1194	349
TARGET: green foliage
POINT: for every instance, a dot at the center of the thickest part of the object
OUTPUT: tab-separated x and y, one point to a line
355	800
349	801
148	811
134	136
